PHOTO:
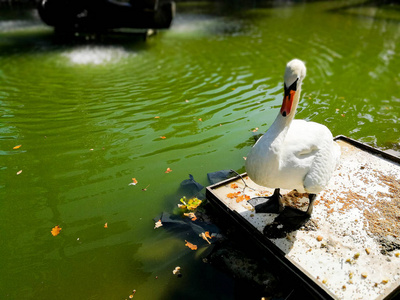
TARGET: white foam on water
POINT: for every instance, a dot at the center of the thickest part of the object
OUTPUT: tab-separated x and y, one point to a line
96	55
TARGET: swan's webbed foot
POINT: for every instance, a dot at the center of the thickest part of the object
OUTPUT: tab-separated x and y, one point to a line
290	219
271	204
295	216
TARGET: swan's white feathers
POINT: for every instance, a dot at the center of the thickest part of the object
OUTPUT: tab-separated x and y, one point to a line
294	154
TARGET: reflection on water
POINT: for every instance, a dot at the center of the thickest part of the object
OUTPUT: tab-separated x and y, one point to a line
90	117
96	55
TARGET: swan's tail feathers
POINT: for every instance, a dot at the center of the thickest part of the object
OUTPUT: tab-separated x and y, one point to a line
337	153
322	168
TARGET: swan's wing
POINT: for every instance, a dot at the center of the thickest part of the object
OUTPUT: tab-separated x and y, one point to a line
312	148
304	138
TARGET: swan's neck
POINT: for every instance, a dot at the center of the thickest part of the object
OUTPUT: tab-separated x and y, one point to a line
281	124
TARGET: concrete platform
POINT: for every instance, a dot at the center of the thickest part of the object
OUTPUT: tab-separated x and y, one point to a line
350	248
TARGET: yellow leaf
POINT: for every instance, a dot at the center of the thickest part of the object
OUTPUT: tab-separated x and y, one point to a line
190	245
56	230
17	147
234	186
192	203
168	170
163	137
19	172
106	225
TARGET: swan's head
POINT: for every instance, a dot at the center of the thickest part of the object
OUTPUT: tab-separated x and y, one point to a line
294	75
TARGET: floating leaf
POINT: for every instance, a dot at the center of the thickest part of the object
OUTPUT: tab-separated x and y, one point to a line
192	203
190	215
181	206
156	117
17	147
200	120
256	129
177	271
163	137
131	295
190	245
158	224
206	236
134	181
19	172
234	186
145	189
106	225
168	170
56	230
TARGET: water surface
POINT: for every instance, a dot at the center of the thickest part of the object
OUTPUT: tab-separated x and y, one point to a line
85	115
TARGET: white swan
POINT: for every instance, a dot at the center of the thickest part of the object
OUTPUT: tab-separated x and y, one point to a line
293	154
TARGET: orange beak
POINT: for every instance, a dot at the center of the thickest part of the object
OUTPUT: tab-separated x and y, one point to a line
287	103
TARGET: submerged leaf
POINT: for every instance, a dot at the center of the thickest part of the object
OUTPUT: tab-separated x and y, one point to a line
206	236
177	271
158	224
190	245
190	215
56	230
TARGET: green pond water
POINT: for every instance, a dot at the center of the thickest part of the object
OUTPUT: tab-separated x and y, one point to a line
84	115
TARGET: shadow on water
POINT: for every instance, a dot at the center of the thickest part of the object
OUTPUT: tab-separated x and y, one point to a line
385	10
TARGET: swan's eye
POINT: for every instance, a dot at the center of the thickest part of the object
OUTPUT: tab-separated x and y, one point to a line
292	87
